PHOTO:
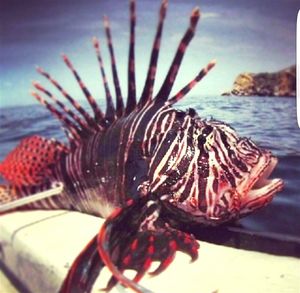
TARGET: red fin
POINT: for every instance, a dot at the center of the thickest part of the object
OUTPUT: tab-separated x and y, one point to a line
84	270
146	239
30	163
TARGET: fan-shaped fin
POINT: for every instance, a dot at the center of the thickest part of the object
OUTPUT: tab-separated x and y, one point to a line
89	119
110	109
70	126
131	97
119	99
69	112
99	116
149	84
166	88
191	84
75	125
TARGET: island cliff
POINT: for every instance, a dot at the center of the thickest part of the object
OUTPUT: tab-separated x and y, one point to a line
277	84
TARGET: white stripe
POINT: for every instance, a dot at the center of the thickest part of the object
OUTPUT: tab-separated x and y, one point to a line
133	128
182	148
165	131
179	156
152	123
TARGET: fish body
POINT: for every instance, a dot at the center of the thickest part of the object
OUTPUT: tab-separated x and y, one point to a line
144	165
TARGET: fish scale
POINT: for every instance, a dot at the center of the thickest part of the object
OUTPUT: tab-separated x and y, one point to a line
151	170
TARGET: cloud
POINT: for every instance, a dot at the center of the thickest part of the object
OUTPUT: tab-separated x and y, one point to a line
208	15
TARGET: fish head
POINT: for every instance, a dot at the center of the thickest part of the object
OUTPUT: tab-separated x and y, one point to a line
227	176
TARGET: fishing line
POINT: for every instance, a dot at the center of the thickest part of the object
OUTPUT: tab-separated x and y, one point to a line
57	189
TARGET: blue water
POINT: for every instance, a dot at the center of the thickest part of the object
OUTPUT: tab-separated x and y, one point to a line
270	122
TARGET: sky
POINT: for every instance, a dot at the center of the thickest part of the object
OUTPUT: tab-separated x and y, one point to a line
243	36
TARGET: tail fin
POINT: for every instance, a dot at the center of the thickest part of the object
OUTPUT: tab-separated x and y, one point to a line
28	169
31	162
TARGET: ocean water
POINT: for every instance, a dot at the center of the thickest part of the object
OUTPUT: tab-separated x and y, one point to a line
270	122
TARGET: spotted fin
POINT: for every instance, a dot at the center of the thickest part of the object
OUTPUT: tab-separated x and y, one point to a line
31	162
147	238
28	172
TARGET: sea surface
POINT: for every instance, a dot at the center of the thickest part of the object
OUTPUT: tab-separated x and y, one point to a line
270	122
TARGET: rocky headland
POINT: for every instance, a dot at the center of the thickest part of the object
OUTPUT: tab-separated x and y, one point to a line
276	84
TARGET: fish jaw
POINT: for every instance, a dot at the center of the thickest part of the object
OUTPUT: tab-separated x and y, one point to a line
259	190
254	191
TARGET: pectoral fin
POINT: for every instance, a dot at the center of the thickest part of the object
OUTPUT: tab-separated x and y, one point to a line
132	237
84	270
135	236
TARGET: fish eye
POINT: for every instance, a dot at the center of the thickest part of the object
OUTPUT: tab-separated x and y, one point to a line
204	136
207	130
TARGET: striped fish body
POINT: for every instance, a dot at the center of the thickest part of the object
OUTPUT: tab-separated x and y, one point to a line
108	169
145	166
130	160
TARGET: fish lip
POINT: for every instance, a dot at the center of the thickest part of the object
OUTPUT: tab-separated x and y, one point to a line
260	185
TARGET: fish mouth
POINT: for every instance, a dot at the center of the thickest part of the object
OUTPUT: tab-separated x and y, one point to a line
260	185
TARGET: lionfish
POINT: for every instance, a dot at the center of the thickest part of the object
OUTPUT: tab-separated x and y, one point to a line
151	170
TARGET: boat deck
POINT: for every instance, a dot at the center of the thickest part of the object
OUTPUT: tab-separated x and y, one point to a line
38	247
